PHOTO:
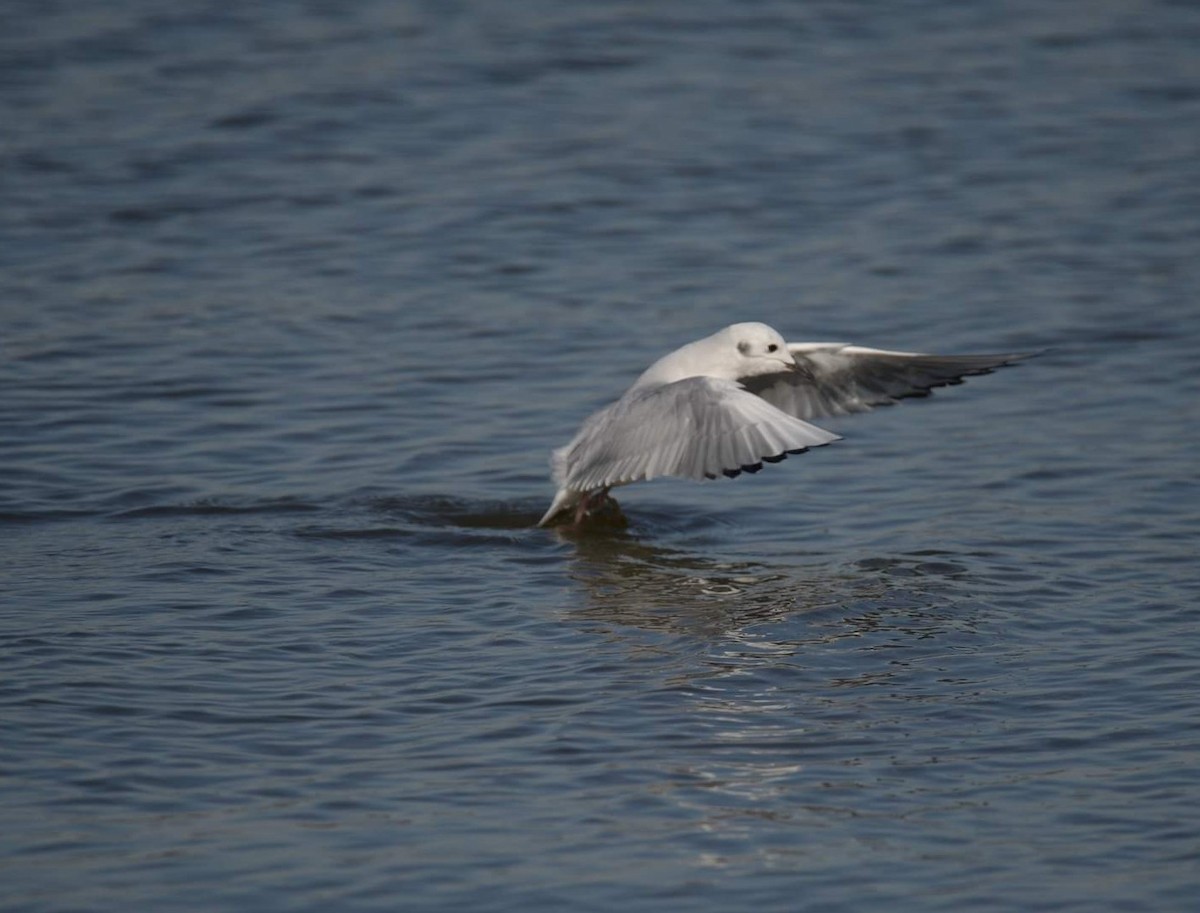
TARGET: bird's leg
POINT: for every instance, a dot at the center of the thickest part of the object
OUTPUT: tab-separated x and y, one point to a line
588	504
598	506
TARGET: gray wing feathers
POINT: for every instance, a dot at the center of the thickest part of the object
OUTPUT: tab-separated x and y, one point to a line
836	379
696	428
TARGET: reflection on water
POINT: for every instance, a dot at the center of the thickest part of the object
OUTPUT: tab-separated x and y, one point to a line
629	581
791	679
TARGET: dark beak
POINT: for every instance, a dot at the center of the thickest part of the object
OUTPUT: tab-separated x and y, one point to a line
798	368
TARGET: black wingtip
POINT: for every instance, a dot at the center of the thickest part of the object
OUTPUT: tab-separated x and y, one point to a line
757	467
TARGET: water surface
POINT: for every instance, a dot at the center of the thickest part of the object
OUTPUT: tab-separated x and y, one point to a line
297	299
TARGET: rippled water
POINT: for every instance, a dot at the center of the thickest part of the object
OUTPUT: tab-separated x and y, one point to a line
297	298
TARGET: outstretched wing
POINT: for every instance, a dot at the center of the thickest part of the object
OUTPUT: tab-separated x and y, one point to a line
836	378
696	428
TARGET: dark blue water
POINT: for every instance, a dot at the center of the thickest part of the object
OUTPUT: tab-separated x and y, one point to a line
296	298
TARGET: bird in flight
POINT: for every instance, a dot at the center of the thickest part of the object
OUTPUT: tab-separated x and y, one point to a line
729	403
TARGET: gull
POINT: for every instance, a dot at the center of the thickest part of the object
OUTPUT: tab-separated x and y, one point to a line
729	403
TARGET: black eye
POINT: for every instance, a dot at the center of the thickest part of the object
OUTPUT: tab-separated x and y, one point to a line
772	347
